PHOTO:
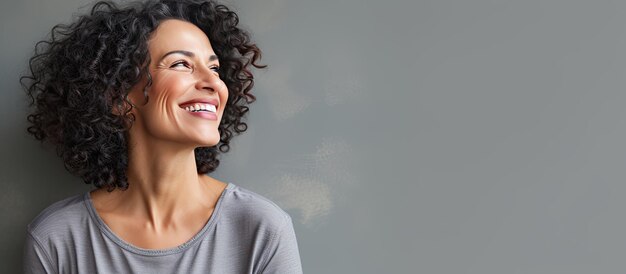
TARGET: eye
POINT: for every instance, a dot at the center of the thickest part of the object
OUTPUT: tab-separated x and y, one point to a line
215	68
180	64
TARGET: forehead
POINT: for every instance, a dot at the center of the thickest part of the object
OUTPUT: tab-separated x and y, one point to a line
174	34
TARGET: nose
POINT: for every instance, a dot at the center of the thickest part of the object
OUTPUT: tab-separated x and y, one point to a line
207	79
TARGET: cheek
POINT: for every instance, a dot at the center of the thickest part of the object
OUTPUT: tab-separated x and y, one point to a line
170	84
166	88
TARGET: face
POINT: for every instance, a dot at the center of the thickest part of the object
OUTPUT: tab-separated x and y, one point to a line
185	87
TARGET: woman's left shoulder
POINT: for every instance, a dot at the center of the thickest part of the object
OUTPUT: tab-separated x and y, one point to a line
245	204
259	223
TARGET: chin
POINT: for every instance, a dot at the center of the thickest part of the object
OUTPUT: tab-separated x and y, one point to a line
208	143
207	138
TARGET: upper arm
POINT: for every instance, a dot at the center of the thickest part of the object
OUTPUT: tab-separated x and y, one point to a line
283	255
35	258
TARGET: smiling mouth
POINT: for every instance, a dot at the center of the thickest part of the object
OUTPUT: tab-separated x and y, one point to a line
200	108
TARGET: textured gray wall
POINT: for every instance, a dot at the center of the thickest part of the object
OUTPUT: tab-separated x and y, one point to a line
402	136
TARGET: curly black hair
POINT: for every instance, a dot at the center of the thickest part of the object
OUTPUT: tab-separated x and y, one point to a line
86	68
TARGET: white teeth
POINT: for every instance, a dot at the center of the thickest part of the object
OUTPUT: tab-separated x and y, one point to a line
199	107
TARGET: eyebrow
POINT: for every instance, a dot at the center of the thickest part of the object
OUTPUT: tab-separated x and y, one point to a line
188	54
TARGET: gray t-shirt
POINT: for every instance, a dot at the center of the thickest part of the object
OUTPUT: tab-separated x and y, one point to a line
246	233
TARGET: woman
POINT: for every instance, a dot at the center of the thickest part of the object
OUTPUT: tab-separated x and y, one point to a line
136	100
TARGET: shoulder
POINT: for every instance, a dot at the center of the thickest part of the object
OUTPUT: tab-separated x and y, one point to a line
262	226
55	220
251	208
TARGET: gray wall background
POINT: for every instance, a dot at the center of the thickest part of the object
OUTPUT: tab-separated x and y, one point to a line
446	136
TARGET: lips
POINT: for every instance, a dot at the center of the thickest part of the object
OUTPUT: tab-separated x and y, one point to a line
200	101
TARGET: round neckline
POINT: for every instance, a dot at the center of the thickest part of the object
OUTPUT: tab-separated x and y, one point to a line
155	252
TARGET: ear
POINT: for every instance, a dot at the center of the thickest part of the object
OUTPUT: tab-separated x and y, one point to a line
120	108
124	109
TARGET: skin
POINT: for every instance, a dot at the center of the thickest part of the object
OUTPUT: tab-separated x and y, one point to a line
167	201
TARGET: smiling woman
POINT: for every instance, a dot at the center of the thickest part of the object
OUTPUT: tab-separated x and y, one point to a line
137	100
185	75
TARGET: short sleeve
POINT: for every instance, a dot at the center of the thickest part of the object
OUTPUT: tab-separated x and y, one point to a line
283	256
35	259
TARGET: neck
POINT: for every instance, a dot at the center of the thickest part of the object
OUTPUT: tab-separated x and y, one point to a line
164	186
